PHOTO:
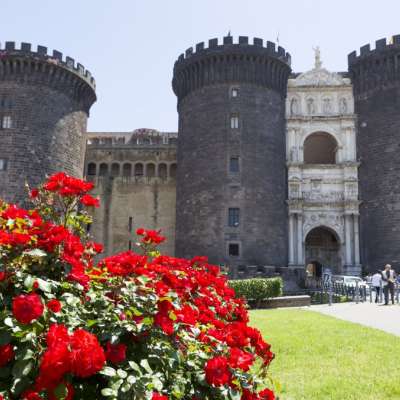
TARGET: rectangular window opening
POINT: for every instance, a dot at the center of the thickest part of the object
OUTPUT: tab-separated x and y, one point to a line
234	122
233	249
234	165
6	122
130	224
3	164
234	92
233	217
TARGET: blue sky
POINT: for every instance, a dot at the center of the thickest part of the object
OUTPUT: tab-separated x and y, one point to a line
130	46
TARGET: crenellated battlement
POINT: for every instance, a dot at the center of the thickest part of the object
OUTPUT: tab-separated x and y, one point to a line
261	63
375	69
381	46
10	51
242	45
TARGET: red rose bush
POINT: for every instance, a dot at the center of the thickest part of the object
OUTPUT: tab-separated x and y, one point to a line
136	325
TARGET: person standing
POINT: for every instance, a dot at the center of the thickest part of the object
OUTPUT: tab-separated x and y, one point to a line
376	283
388	280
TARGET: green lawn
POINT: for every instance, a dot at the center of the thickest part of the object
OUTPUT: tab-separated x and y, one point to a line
320	357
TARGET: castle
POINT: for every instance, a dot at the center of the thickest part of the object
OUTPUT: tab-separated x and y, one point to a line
271	171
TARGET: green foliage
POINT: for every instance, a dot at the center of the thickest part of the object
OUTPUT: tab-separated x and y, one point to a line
257	288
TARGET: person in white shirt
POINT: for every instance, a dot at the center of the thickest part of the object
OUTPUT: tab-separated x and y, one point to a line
388	280
377	283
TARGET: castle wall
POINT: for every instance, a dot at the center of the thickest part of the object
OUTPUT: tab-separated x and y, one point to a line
44	104
231	105
376	82
141	196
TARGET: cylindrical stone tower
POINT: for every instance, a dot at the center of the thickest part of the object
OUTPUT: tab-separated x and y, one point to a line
375	75
231	181
44	105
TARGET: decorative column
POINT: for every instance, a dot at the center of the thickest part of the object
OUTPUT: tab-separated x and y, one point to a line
300	239
291	241
348	238
356	241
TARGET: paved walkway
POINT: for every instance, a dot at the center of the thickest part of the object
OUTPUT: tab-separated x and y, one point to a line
385	318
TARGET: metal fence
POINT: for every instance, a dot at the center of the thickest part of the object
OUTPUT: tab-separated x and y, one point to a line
336	292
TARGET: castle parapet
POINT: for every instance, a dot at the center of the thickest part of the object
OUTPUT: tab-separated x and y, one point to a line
261	63
62	72
375	69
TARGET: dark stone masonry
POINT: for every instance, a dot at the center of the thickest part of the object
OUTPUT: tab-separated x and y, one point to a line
231	101
44	105
375	75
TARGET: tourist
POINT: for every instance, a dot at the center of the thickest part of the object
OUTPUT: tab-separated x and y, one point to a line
376	283
388	280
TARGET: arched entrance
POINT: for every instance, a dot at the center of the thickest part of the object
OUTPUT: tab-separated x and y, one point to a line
322	247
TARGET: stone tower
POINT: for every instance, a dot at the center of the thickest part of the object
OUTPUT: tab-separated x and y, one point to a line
375	76
231	152
44	105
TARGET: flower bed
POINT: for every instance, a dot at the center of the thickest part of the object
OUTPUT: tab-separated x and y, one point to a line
132	326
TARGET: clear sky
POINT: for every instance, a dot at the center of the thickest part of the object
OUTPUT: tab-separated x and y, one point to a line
130	46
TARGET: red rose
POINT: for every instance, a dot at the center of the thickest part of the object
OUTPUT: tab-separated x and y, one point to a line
54	305
89	201
140	232
27	307
240	359
266	394
31	394
57	334
3	276
217	371
34	193
116	353
158	396
88	356
55	363
6	354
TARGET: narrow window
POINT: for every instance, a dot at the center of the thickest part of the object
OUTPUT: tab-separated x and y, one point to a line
3	165
234	92
115	169
233	249
234	165
91	169
127	170
130	224
103	171
234	122
162	171
88	227
233	217
139	169
130	245
6	122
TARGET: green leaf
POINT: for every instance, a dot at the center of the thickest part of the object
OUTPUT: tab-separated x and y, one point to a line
121	373
145	364
61	392
135	367
5	338
107	392
108	371
22	368
28	282
36	253
44	285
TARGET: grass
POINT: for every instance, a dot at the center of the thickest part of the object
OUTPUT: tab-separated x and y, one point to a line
323	358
